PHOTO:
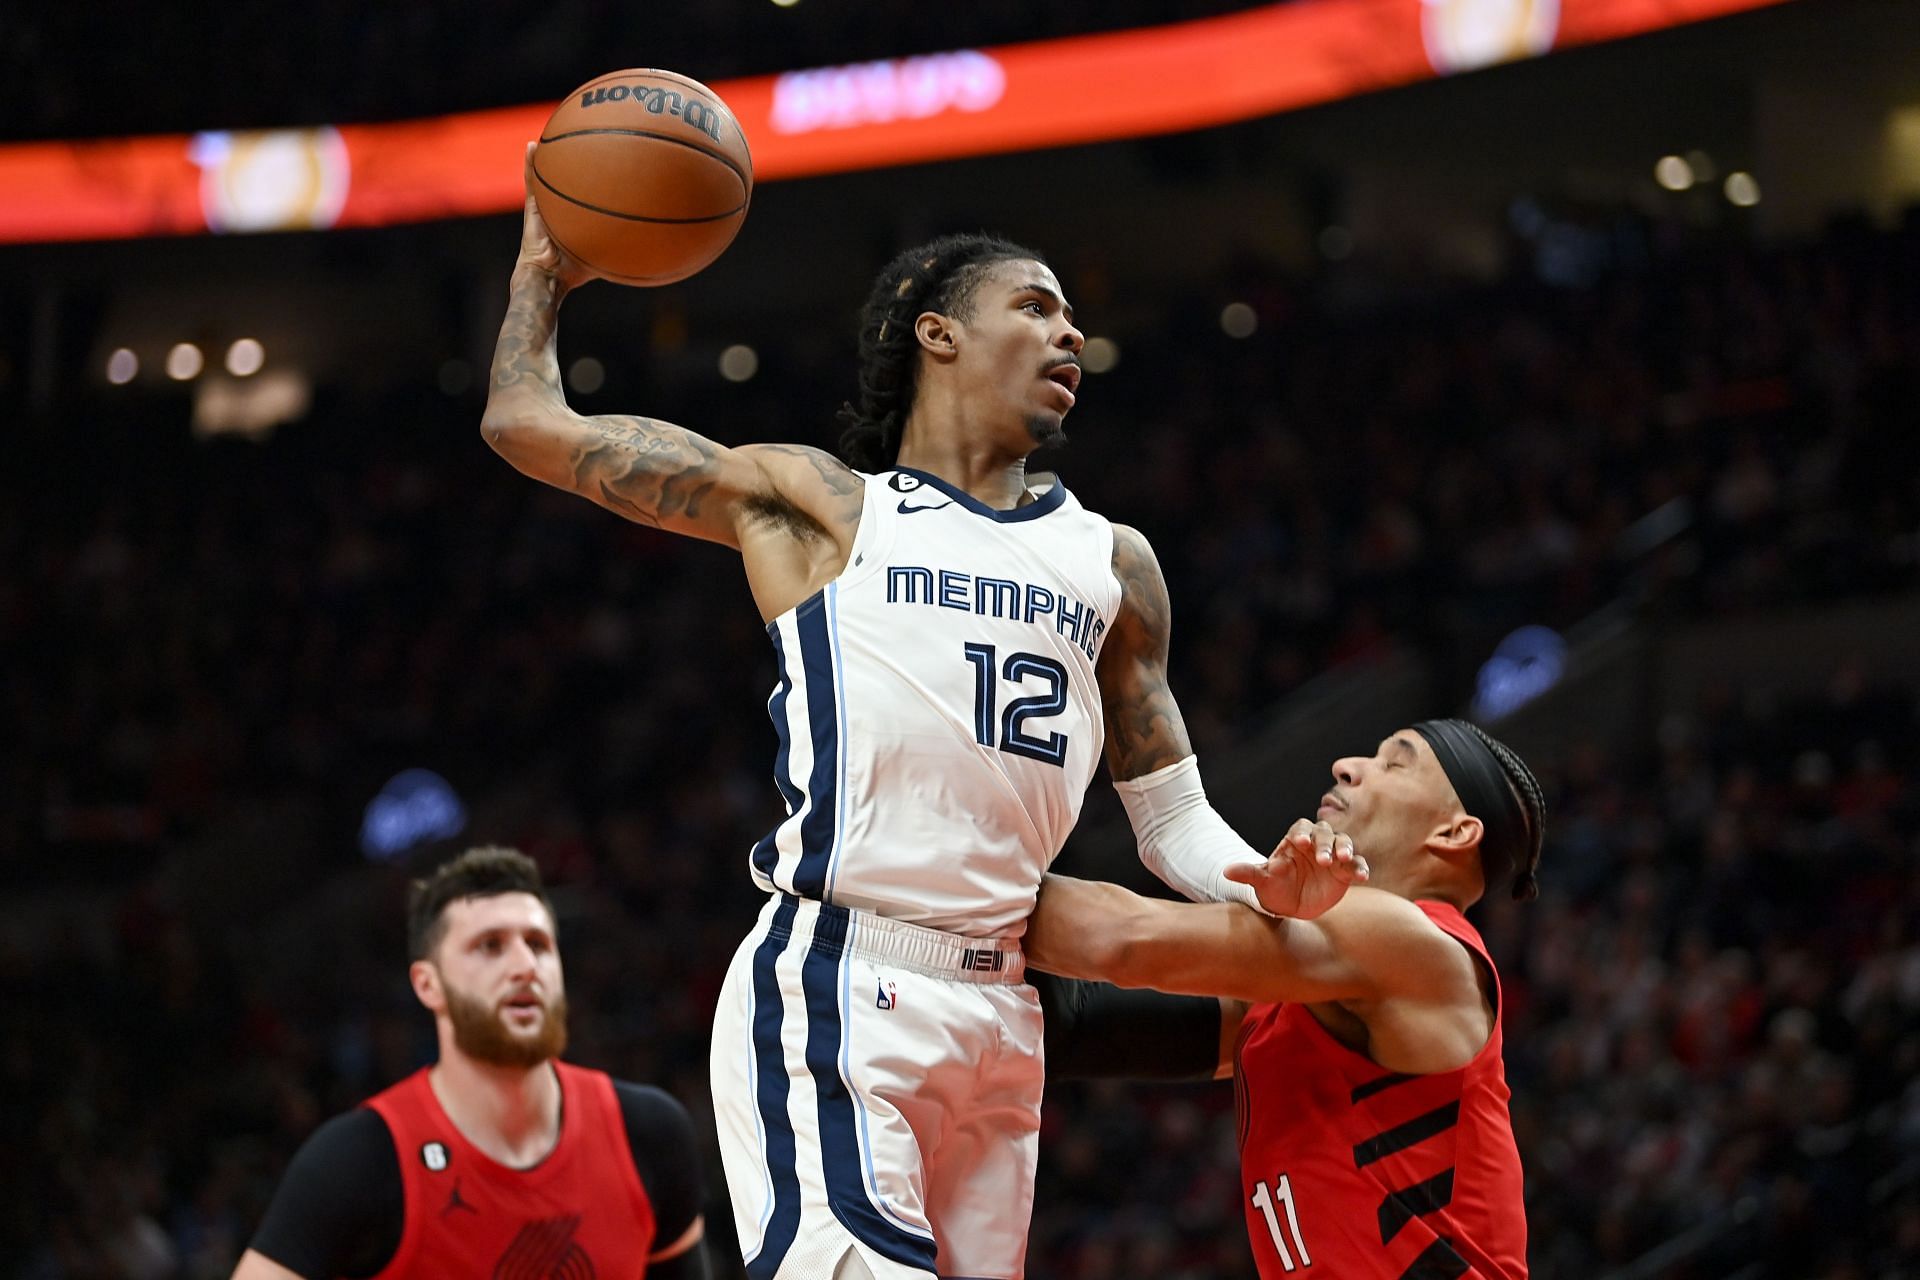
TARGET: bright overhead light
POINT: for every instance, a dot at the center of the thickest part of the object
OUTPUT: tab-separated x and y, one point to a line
1742	190
122	367
739	362
245	357
184	362
1238	320
1099	355
1673	173
786	4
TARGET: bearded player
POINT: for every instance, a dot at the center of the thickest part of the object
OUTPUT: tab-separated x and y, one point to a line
1365	1043
500	1159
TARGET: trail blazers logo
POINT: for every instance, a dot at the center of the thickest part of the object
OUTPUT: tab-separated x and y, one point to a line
456	1202
546	1251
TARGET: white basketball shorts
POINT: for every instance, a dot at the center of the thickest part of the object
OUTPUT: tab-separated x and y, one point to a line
877	1091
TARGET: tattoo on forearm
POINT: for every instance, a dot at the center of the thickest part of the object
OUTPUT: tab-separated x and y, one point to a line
524	356
1145	730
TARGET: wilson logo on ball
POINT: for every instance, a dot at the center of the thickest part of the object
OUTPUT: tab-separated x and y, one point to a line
659	102
642	175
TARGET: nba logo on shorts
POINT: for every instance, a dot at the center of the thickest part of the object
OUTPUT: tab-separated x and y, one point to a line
888	996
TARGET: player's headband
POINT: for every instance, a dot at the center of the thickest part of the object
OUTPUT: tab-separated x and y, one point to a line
1479	775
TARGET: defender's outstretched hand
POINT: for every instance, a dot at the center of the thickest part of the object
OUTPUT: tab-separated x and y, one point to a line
540	249
1308	872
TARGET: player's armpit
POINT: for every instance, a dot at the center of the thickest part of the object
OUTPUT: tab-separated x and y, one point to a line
1145	730
808	488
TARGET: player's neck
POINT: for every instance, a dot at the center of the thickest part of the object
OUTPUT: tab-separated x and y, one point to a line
510	1113
1426	882
974	467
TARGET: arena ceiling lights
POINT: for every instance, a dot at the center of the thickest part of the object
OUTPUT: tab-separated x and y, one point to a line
825	120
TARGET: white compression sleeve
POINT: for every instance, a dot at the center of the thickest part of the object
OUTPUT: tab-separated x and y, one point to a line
1182	840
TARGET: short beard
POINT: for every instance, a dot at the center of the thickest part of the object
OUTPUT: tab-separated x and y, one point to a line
479	1033
1048	432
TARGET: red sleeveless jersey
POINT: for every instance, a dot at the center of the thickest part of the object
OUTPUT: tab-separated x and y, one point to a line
581	1213
1354	1172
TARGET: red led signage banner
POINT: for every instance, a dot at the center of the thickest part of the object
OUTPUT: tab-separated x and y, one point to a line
828	120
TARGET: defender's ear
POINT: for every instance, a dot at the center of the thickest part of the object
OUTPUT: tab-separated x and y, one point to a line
1460	835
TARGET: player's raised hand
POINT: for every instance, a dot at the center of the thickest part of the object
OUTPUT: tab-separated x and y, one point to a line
1309	871
538	248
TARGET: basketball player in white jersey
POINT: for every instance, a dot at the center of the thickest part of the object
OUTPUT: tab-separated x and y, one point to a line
955	640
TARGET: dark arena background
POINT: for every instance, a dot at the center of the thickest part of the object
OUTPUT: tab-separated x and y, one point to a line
1576	394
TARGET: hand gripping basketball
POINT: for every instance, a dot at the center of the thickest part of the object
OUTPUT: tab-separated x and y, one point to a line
538	248
643	176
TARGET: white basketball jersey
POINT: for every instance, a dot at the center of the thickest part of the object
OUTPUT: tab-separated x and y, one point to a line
938	715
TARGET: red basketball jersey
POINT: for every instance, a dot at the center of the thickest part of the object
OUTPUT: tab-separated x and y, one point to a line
1354	1172
581	1212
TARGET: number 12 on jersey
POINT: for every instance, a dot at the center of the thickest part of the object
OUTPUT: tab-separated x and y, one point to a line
1263	1200
1005	731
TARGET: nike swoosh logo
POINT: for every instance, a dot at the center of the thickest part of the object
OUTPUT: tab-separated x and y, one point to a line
904	509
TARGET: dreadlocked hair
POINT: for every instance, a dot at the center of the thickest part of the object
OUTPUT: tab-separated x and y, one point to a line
939	276
1526	877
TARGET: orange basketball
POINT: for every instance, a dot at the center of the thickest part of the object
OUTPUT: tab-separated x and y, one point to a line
643	175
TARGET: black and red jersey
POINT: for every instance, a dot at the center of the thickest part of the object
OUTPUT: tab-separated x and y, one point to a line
1352	1171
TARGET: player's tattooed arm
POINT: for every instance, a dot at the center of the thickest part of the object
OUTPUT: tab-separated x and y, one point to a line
1145	730
650	471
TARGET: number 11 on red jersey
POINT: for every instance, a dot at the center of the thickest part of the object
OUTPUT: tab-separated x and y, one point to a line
1263	1200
